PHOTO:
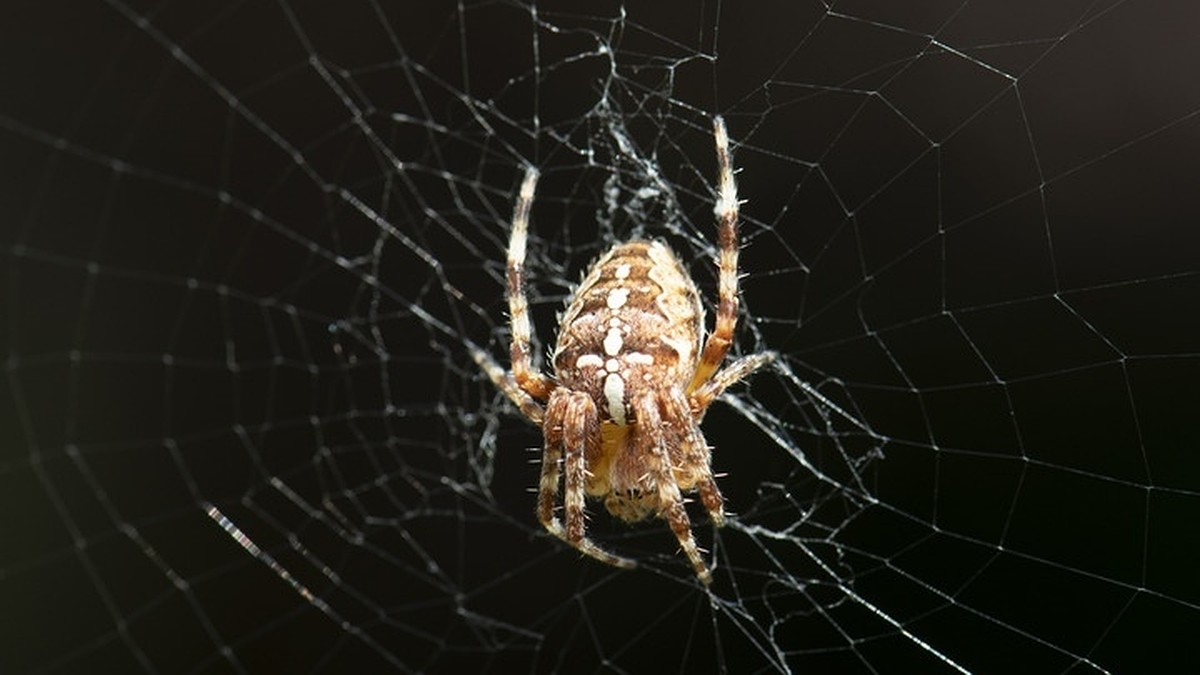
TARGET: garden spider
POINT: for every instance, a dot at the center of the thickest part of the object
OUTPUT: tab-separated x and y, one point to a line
632	381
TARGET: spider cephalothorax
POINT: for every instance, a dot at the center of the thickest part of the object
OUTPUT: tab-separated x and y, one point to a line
633	378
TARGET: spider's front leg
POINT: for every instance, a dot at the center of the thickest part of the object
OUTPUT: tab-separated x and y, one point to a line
651	445
691	456
572	424
552	436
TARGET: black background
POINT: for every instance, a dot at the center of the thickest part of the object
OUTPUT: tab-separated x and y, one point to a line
973	225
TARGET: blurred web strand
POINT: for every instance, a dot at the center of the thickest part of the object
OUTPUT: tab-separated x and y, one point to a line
303	591
245	542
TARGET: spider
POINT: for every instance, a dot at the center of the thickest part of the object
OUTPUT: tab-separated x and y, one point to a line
633	379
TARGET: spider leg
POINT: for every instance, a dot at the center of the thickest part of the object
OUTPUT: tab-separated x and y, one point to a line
505	383
714	387
551	454
579	430
693	453
532	382
726	211
670	501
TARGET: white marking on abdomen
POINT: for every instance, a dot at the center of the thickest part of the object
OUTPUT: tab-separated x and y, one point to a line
614	391
617	298
640	357
622	271
589	360
613	342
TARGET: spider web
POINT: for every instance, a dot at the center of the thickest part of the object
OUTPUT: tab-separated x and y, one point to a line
248	245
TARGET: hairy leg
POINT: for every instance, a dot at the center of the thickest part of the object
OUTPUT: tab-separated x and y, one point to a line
670	501
505	383
580	429
726	210
534	383
710	390
691	456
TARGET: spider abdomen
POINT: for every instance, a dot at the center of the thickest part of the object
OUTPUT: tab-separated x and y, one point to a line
635	323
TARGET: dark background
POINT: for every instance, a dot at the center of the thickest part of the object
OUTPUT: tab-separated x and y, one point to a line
245	245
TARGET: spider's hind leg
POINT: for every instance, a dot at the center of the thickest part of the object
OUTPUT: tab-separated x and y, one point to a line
726	210
529	380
